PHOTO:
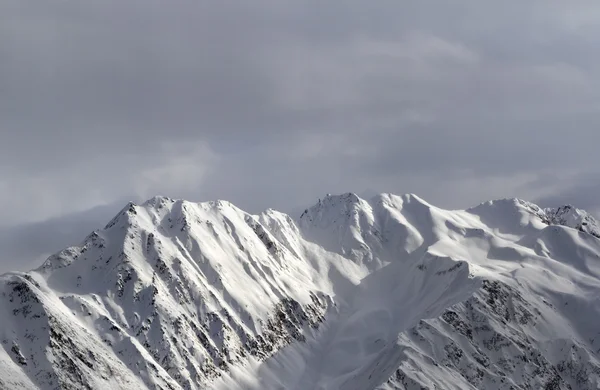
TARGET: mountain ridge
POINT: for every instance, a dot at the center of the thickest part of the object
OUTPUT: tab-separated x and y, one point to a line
389	292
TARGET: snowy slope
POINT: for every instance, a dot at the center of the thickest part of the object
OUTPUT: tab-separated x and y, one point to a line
573	217
385	293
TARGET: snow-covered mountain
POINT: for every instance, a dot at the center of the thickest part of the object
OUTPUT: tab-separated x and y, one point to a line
573	217
385	293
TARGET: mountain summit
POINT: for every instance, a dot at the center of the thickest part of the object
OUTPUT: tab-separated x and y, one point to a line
385	293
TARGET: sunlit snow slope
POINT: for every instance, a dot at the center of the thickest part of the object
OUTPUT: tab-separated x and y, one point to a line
386	293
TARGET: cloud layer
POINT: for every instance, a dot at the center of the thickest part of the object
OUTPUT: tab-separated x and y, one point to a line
274	103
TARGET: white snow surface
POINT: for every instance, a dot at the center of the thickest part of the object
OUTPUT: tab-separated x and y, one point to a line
385	293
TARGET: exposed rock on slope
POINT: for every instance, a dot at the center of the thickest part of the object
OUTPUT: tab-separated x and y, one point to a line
575	218
386	293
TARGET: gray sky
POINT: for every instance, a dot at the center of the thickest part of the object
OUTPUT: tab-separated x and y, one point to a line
275	103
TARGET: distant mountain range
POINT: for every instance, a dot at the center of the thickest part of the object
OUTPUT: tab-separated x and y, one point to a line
385	293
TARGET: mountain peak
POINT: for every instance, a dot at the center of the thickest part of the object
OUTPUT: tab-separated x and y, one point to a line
157	201
510	206
568	215
334	208
345	198
181	295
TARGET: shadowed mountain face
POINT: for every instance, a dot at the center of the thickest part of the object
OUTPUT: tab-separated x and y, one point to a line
385	293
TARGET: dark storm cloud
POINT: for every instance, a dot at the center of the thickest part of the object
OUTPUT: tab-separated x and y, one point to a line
274	103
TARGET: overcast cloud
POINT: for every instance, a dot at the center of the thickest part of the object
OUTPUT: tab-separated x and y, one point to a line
275	103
